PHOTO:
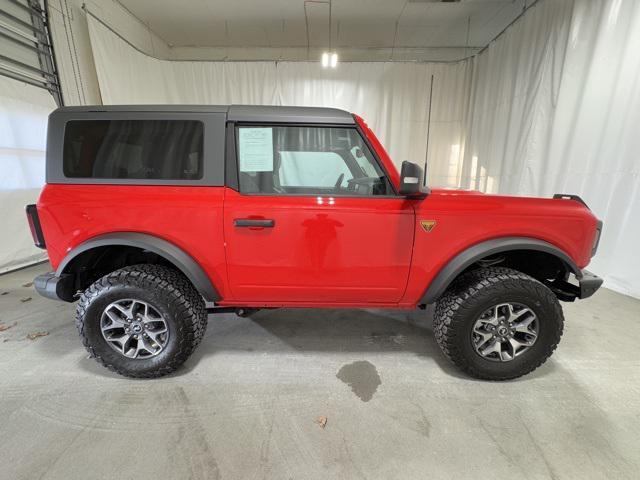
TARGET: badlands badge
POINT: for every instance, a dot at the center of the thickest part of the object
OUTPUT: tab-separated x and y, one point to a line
428	225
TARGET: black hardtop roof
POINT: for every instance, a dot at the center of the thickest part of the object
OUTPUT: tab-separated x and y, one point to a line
236	113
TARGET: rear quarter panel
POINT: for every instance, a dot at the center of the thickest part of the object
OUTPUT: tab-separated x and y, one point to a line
190	217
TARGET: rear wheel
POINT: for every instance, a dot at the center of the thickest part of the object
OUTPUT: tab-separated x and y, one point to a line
141	321
498	323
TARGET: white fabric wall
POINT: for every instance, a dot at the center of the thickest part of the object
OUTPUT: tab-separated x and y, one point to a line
392	97
552	106
23	125
556	109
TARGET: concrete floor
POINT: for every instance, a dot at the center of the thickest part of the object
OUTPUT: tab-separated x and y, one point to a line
245	405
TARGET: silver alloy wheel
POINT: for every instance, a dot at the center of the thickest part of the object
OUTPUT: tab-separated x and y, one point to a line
505	331
134	328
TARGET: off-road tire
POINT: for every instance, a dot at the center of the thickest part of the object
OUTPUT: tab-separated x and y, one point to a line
474	292
170	292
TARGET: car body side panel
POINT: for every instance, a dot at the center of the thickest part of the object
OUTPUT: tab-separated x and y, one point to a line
188	217
466	219
320	249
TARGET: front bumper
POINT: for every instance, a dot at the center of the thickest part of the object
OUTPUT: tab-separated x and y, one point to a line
57	288
588	284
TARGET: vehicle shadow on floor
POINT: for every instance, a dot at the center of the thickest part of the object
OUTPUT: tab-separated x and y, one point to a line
326	331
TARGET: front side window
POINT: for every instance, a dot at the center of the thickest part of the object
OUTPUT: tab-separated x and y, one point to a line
291	160
133	149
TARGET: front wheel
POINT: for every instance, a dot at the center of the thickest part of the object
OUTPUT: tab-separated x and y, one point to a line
498	323
141	321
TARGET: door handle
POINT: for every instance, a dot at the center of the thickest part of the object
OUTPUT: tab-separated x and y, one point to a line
254	222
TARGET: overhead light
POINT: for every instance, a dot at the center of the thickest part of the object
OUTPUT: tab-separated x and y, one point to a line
329	59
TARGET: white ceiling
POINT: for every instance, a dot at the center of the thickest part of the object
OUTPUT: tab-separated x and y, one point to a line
364	29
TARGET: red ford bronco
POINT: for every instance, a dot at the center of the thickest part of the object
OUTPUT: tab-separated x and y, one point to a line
155	216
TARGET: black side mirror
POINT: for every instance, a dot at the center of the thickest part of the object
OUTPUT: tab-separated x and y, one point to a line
412	181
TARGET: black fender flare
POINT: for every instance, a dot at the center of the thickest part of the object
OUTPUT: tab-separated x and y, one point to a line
467	257
167	250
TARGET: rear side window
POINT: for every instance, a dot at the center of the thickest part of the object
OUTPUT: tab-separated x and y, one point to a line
133	149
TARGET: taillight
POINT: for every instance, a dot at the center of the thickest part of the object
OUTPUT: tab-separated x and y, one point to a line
34	226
